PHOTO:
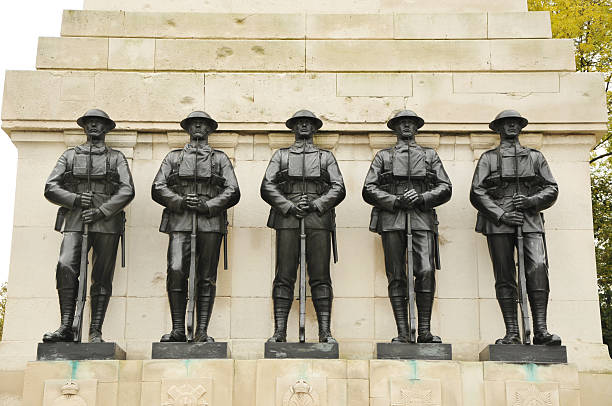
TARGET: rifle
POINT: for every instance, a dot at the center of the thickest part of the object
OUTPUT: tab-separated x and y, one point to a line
77	324
192	261
225	240
410	265
522	282
303	256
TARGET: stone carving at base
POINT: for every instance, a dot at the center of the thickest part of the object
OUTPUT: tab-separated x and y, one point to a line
301	394
411	397
186	392
70	396
532	394
415	392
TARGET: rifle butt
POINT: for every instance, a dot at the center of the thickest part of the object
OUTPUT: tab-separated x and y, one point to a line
77	324
522	285
302	331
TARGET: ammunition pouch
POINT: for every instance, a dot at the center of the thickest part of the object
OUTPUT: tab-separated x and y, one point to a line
291	185
498	187
208	187
59	218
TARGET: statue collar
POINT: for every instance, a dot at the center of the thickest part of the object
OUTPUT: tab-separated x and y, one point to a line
200	148
299	146
95	149
403	145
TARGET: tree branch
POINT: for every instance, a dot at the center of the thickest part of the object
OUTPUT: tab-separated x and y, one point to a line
600	157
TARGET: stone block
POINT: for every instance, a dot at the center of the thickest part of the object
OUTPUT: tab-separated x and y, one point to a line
533	55
77	86
393	55
151	394
149	96
525	392
248	349
239	55
353	318
146	258
575	320
20	312
534	24
356	350
349	26
357	369
441	26
594	388
251	211
384	322
353	275
72	53
251	318
244	382
252	270
131	54
147	318
86	392
572	210
472	383
458	319
458	278
11	387
490	316
374	85
92	23
504	83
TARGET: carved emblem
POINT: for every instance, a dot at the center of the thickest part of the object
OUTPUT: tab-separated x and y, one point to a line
415	397
186	395
532	396
70	396
301	394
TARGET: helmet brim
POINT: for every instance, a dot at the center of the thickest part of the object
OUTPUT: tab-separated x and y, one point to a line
317	122
110	124
391	123
494	125
210	121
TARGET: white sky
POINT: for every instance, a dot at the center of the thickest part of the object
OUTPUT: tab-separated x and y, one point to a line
22	23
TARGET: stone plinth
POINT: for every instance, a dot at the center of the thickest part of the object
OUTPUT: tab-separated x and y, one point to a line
301	350
79	351
189	350
414	351
525	354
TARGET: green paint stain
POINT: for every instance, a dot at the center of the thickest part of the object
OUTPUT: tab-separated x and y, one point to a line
413	370
187	363
531	371
303	372
74	366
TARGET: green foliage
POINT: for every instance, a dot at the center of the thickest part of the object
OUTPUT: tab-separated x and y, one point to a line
3	294
589	24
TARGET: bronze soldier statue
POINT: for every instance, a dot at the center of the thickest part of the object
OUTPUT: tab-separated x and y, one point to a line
303	184
512	184
92	183
196	185
404	184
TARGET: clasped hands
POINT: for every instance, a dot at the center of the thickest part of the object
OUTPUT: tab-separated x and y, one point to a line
195	203
516	217
303	207
409	199
89	214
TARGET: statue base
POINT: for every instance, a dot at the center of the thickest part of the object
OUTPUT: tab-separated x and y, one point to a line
425	351
79	351
527	354
189	350
301	350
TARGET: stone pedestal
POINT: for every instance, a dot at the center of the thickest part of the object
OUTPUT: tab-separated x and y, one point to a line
414	351
79	351
189	350
301	350
525	354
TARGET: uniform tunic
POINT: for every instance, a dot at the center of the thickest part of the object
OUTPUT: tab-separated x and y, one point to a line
493	185
111	183
385	183
282	187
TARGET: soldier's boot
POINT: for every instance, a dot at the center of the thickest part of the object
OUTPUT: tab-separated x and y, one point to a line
99	304
178	304
539	303
282	306
424	302
400	312
204	307
323	309
509	312
67	302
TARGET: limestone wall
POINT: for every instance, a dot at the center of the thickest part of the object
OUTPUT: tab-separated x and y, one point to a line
148	70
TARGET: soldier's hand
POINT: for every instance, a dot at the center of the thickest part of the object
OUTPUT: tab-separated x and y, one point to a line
410	199
522	202
191	201
85	200
306	205
91	215
198	204
512	218
297	212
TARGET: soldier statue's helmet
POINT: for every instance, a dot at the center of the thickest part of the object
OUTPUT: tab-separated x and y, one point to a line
304	114
199	114
405	114
110	124
494	125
